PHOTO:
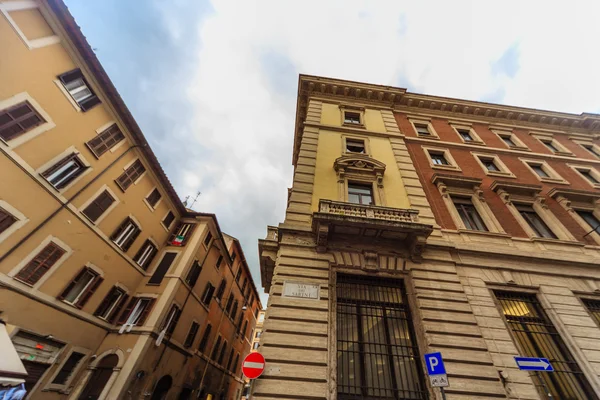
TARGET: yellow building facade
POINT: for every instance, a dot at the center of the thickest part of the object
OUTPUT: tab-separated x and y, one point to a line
399	240
109	287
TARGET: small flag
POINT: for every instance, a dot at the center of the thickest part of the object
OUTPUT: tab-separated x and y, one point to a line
178	240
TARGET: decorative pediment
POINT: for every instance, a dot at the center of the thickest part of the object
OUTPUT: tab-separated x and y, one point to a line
520	189
359	163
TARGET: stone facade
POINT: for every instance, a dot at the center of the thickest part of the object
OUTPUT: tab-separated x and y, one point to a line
352	136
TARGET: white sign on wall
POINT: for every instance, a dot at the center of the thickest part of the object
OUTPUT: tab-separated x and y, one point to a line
301	290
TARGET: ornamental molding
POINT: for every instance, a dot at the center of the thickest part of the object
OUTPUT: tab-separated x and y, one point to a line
359	164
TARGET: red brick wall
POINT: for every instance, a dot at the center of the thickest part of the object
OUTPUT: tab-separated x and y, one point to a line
471	168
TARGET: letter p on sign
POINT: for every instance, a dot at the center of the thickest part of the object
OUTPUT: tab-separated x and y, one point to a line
435	364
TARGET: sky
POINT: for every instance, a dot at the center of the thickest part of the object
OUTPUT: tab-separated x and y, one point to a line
213	83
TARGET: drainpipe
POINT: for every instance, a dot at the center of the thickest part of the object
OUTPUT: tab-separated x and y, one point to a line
63	205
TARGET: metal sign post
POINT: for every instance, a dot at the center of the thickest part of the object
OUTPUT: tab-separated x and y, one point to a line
437	371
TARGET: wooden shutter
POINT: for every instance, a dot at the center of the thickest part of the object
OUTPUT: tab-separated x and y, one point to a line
40	264
205	338
130	175
91	289
105	140
76	74
119	229
18	119
154	197
98	206
132	237
173	324
145	313
6	220
70	76
141	251
162	268
71	176
189	340
168	219
106	302
72	284
127	312
221	290
111	318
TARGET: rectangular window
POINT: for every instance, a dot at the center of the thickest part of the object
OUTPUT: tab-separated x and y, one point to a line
238	274
145	254
131	174
215	350
465	134
355	146
468	214
168	220
6	220
229	304
162	269
422	130
535	222
234	309
550	146
79	89
593	307
208	238
245	328
136	311
194	273
205	337
68	368
221	290
191	336
40	264
79	291
490	164
222	353
590	218
587	174
377	356
230	359
125	234
244	284
235	364
438	158
105	140
153	197
351	118
208	293
508	141
98	206
536	336
65	171
219	261
360	194
591	149
112	304
17	120
171	320
539	170
181	234
255	346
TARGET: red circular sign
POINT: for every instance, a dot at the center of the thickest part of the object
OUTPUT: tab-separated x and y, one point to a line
253	365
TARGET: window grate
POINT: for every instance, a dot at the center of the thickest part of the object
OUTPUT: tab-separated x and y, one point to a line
377	357
537	337
593	306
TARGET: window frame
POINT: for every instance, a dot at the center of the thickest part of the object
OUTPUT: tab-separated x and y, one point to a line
551	144
590	147
135	234
126	168
457	127
359	111
192	282
190	338
114	310
464	214
518	143
93	198
70	153
61	257
364	140
368	186
162	221
149	258
503	170
140	319
62	388
82	297
414	121
82	105
103	130
578	168
147	202
21	220
452	164
209	290
6	8
553	176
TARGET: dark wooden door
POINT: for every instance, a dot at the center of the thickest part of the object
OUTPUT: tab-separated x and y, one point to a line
99	378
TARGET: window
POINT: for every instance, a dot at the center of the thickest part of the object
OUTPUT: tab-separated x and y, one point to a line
168	220
536	336
229	304
352	118
375	333
465	134
205	338
550	145
171	320
125	234
234	309
508	141
181	234
131	174
18	119
215	350
589	218
208	293
162	269
6	220
145	254
112	304
593	307
438	158
238	274
543	171
587	174
65	171
208	238
422	129
261	317
221	290
105	140
40	264
79	291
259	333
194	273
244	284
69	366
592	149
230	359
153	197
245	328
355	146
233	256
360	194
255	346
136	311
468	214
535	222
219	261
79	89
191	336
235	364
222	353
490	165
538	169
98	206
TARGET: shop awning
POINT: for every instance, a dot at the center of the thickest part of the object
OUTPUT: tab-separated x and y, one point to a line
12	371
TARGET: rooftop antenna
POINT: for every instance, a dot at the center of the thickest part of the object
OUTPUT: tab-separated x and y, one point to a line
186	200
195	198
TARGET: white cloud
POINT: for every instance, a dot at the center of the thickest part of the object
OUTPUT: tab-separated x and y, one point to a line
243	90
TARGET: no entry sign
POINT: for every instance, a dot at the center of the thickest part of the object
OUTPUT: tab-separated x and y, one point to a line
253	365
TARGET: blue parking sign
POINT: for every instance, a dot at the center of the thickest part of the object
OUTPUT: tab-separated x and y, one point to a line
435	364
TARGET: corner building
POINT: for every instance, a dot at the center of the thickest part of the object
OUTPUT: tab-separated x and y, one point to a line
110	288
418	224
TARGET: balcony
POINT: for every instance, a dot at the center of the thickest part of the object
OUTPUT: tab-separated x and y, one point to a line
365	222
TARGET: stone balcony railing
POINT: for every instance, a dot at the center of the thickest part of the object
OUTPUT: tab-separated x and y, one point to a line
368	211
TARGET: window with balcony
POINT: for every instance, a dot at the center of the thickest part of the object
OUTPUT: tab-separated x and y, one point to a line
181	234
360	194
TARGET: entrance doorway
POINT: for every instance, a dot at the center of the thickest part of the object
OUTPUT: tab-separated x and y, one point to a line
98	379
162	388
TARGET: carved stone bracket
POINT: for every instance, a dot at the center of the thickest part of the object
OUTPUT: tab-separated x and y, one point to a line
322	236
371	261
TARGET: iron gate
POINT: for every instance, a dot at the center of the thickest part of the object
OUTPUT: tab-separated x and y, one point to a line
377	357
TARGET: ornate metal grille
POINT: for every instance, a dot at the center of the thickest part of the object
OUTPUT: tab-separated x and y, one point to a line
377	357
537	337
593	307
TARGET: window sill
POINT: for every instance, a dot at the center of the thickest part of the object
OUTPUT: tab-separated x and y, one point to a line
445	167
152	209
353	125
474	142
554	180
564	153
521	148
500	174
484	233
428	137
548	240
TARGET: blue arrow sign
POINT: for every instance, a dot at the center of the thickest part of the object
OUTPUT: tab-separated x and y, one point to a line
534	364
435	364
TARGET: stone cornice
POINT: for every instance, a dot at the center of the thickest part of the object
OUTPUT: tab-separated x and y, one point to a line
399	99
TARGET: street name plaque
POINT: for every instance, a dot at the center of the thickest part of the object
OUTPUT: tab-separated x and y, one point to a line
301	290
